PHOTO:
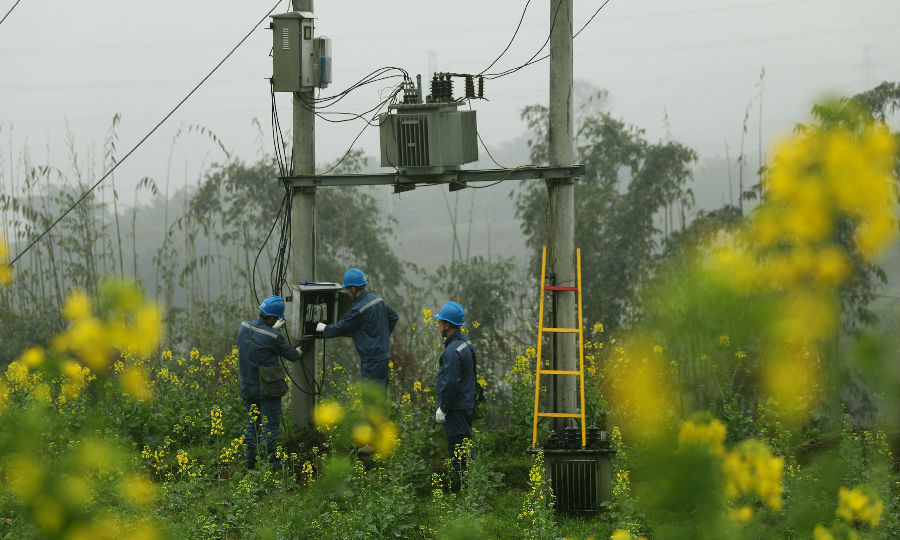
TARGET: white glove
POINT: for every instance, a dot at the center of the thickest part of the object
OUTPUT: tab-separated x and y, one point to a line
278	324
320	327
439	416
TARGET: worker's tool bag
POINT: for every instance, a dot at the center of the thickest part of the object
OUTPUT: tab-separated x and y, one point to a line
272	384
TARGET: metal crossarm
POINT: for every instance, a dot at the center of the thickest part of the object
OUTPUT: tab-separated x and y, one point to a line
541	330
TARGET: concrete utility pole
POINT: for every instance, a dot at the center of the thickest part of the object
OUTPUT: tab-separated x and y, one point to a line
561	216
303	239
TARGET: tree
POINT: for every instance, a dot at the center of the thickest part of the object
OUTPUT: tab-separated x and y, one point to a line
629	184
487	292
237	205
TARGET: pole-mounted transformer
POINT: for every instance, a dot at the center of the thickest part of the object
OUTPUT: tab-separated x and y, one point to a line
430	137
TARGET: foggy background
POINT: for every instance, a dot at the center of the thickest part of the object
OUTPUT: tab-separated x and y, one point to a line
688	70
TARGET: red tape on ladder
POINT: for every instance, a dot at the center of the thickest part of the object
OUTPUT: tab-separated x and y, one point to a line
557	288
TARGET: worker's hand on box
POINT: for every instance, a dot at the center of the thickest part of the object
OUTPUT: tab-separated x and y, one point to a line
439	416
278	324
320	327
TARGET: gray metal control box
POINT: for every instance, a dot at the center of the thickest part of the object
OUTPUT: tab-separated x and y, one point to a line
312	303
300	61
428	137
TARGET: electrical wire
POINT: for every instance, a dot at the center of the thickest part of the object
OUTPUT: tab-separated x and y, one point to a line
278	273
10	11
277	135
390	98
374	76
508	45
145	137
589	20
533	59
266	241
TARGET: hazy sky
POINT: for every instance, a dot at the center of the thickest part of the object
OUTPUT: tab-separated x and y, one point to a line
77	64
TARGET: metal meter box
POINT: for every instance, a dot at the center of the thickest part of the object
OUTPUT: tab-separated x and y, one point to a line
323	52
428	137
312	303
295	60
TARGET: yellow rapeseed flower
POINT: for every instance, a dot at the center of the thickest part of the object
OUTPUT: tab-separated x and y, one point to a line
709	435
857	505
17	374
386	438
215	417
137	489
6	274
77	306
743	514
363	434
751	469
821	533
33	357
136	382
327	414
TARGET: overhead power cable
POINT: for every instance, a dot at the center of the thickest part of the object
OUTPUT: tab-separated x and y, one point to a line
534	59
10	11
391	98
147	136
508	45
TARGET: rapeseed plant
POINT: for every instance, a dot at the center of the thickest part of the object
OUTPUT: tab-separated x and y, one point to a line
536	518
859	505
709	435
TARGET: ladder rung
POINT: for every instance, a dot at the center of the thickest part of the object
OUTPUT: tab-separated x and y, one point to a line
558	288
559	415
559	372
561	330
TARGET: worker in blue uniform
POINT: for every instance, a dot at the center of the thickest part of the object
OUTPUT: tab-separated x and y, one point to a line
260	343
370	321
455	386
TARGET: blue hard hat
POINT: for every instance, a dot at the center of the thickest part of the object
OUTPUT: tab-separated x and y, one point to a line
453	313
273	306
354	278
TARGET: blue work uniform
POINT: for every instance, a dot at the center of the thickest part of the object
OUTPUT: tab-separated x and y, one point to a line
455	392
370	321
260	344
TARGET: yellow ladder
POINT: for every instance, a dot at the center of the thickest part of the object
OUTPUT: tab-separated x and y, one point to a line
541	330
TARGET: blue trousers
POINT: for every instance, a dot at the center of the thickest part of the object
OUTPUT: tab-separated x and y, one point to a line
263	427
457	427
375	371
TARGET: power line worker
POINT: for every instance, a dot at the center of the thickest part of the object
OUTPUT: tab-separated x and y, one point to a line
455	386
370	321
260	343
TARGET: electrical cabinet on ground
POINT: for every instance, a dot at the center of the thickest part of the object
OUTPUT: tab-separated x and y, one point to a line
300	61
314	303
428	137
